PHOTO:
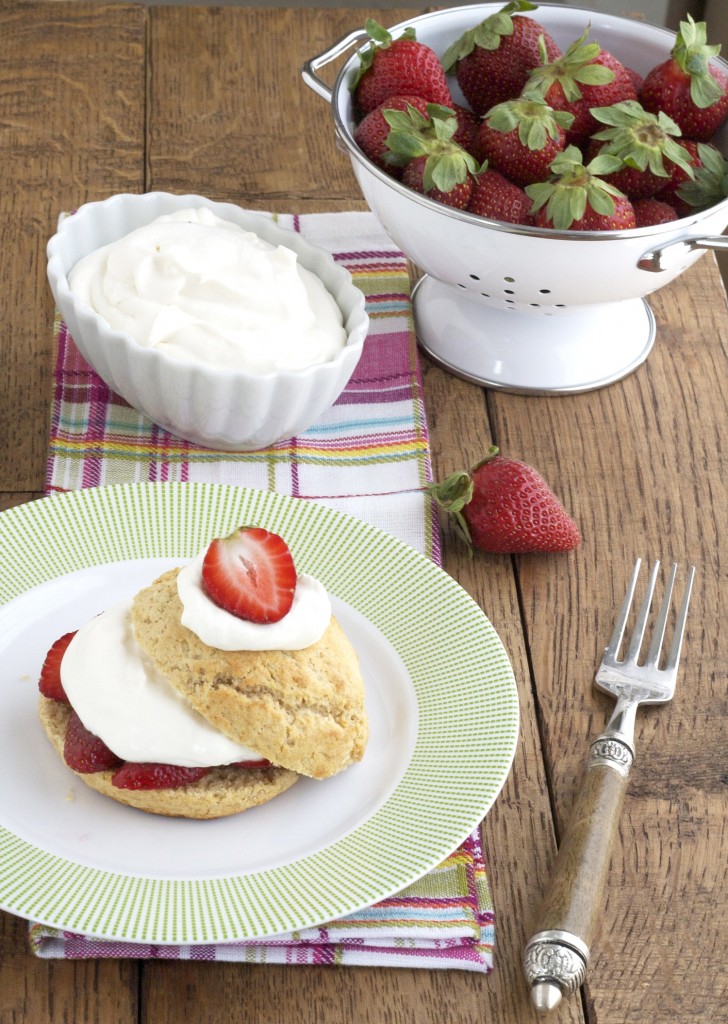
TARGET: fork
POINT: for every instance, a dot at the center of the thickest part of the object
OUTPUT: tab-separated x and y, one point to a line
557	955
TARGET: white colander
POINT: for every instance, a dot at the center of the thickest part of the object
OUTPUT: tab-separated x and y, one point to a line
520	308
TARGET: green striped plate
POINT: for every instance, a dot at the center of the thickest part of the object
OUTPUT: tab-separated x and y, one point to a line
441	699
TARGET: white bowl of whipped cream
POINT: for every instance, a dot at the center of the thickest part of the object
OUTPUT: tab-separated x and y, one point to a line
215	323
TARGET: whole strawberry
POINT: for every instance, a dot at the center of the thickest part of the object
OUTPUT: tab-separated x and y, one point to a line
521	137
576	198
497	198
582	77
491	61
468	131
372	131
418	176
648	212
646	144
397	67
689	86
434	164
506	507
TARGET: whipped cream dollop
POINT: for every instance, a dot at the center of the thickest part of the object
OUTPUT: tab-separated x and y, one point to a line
303	625
121	698
204	289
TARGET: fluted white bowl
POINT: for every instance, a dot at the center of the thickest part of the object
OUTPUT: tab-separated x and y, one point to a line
229	410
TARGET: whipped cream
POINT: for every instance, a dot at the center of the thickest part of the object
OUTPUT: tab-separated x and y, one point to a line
204	289
120	697
303	625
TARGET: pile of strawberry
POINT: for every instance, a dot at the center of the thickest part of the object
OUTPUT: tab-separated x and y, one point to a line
250	574
571	140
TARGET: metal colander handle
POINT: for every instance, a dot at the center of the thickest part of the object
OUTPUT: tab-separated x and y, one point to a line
667	256
309	69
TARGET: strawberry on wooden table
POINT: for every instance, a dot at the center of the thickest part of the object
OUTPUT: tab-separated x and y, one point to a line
504	506
250	574
521	137
397	67
491	61
50	684
689	86
577	198
583	76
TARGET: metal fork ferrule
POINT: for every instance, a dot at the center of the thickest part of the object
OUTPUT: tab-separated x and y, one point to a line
612	752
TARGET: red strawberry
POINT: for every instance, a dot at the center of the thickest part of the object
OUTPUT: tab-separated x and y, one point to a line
50	684
251	765
149	775
492	60
84	752
496	198
506	507
468	131
576	199
521	137
415	176
372	131
584	76
434	164
398	67
250	574
648	212
644	142
688	87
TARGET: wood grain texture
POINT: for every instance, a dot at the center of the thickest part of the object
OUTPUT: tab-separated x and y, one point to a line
575	891
71	129
642	465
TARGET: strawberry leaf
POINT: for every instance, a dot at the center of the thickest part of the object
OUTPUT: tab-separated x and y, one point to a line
692	54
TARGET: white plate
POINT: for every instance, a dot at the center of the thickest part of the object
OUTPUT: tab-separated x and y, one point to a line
440	696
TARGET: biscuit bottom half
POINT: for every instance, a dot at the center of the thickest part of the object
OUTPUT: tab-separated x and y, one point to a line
221	792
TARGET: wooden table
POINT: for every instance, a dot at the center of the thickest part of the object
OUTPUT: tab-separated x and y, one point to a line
97	99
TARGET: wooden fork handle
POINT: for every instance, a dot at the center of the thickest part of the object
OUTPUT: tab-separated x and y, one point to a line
557	955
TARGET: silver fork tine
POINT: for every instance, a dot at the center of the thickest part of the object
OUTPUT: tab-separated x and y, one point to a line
658	636
621	620
676	646
641	623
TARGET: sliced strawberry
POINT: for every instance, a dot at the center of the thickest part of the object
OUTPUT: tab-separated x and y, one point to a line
150	775
249	765
49	683
84	752
250	574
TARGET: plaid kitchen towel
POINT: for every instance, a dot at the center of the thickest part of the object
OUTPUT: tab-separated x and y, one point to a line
368	456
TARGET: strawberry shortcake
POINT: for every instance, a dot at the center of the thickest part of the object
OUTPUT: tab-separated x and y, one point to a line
213	690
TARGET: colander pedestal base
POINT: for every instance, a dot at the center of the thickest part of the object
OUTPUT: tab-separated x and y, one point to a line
570	351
